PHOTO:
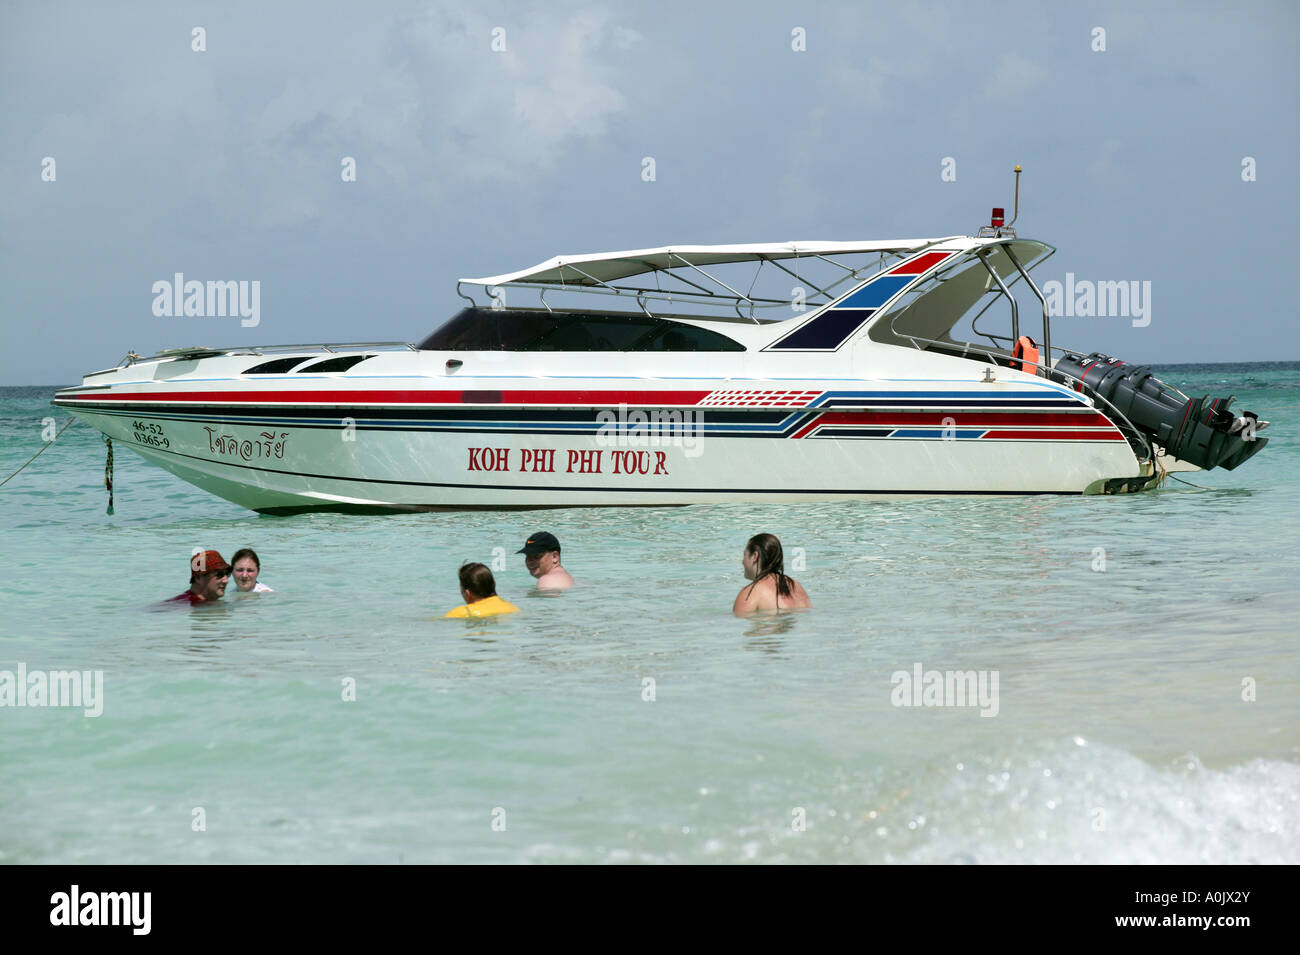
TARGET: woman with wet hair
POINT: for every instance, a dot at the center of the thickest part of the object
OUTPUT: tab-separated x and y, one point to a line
771	589
479	588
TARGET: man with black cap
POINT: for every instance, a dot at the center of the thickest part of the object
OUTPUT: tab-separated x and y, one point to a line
542	558
209	574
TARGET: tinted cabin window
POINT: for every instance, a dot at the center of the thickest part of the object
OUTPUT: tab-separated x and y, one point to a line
486	329
676	337
342	363
481	329
277	367
595	333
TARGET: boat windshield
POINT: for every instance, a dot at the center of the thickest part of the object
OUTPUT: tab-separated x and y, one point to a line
497	329
962	304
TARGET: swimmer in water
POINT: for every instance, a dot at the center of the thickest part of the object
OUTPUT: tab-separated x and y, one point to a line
245	565
479	588
771	589
542	558
209	574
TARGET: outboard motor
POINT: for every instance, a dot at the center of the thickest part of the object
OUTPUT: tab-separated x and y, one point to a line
1200	431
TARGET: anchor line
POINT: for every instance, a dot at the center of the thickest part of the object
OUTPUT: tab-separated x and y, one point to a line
71	421
1190	484
108	473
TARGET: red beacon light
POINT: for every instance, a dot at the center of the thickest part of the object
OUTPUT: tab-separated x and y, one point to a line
998	226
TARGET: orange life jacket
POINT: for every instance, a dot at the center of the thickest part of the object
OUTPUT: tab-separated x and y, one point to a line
1025	355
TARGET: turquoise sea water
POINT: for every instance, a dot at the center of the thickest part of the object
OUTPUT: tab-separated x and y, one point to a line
1121	733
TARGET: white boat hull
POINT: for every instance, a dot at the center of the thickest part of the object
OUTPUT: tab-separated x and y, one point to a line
279	458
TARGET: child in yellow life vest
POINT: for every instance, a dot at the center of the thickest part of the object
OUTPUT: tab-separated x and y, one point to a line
479	589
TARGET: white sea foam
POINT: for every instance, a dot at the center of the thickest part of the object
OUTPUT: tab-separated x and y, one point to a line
1098	804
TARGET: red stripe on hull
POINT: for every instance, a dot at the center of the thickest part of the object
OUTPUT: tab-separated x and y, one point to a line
479	397
816	423
1055	435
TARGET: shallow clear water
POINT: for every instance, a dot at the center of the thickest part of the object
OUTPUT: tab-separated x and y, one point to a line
1120	735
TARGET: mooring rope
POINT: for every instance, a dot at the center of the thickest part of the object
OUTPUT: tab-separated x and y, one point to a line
71	421
1190	484
108	473
1162	474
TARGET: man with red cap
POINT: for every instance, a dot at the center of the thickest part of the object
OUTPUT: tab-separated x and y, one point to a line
209	574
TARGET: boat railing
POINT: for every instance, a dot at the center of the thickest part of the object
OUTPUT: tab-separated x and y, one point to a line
721	295
1054	374
640	295
1050	373
1134	435
332	347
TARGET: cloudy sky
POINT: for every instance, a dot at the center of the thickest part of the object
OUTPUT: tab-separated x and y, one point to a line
488	137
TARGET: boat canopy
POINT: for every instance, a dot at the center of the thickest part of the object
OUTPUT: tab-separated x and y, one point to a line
601	268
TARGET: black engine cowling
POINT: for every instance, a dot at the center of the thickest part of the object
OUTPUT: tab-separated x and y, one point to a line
1200	431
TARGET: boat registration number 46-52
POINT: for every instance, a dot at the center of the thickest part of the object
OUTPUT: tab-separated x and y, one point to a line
147	432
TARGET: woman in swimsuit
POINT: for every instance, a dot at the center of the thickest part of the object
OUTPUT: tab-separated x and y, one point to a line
771	589
246	565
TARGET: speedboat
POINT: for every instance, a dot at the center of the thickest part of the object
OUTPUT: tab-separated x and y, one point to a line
791	371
